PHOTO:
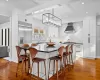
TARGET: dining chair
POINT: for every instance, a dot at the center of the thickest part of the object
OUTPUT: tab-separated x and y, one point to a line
35	59
56	59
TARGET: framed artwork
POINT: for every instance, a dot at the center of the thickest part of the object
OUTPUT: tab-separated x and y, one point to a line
41	31
36	30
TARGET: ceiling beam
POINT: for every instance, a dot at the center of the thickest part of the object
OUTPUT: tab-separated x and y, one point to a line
46	5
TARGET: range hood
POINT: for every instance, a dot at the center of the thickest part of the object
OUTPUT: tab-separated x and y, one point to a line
70	28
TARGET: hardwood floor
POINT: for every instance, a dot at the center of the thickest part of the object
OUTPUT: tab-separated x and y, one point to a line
84	69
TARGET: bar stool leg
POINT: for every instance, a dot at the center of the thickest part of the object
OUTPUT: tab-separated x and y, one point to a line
57	68
31	68
45	69
69	59
72	61
38	69
54	67
17	68
49	68
64	59
22	67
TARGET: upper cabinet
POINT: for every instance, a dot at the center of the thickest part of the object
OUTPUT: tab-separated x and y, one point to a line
89	24
92	26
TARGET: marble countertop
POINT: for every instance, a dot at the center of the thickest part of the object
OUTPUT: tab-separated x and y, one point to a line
43	47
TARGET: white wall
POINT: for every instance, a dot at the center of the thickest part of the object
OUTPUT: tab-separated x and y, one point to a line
74	37
14	32
39	25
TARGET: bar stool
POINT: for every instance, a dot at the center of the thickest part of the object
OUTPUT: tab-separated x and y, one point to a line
66	56
27	54
70	54
37	60
23	57
56	59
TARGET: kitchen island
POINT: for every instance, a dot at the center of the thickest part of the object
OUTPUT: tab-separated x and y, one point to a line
46	52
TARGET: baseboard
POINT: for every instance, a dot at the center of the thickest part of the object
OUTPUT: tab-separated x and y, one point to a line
98	57
8	58
89	58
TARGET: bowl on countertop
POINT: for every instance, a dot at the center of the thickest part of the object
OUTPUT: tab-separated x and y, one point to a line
50	43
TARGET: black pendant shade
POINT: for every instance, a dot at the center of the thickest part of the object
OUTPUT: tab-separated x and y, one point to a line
70	28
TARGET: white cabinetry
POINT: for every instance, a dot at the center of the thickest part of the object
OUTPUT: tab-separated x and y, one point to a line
89	37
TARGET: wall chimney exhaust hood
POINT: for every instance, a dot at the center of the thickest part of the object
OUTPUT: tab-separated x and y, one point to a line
70	28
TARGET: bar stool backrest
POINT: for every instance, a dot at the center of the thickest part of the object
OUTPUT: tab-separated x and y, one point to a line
18	49
71	48
33	52
67	49
33	44
25	45
60	50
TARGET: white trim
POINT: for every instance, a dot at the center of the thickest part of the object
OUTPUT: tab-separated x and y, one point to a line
97	56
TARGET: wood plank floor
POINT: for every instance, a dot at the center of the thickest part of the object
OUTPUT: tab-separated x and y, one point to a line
84	69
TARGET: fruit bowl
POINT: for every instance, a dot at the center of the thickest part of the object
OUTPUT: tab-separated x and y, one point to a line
50	44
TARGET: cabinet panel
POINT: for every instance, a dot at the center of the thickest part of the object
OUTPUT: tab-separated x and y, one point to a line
92	47
92	27
89	37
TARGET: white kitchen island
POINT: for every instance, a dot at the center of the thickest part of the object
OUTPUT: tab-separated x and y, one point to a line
46	52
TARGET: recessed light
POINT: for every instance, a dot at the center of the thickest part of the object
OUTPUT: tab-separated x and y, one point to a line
82	2
6	0
86	12
32	13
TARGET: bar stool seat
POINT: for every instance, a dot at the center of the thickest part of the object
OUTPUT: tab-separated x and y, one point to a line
65	54
55	58
38	59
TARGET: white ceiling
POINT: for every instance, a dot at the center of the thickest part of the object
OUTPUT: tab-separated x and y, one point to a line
70	10
21	4
6	7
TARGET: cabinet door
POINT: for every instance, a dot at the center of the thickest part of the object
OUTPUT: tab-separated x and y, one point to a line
92	47
89	37
85	38
92	27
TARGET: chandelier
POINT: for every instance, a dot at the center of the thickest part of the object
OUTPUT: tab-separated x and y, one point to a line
51	19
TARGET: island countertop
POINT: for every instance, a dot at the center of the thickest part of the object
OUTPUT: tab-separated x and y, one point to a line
43	47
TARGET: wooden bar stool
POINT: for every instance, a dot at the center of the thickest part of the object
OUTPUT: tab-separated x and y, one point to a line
70	54
66	57
22	57
37	60
26	54
56	59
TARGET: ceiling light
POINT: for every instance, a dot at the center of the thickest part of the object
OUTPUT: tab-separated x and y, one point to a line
51	19
6	0
32	13
82	2
86	12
